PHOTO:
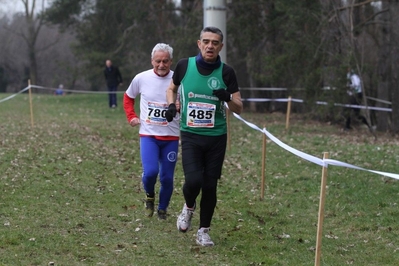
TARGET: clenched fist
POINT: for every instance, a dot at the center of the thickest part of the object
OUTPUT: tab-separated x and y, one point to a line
223	95
171	112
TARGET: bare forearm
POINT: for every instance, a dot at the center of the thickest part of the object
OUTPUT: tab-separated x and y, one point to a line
171	93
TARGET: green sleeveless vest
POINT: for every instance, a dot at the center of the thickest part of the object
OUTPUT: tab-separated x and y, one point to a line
202	113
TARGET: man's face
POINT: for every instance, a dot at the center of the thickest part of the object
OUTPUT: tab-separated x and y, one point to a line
161	62
108	63
210	45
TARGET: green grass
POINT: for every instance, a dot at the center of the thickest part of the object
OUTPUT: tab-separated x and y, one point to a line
71	193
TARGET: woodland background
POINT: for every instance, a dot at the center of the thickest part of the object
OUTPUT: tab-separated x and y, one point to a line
305	46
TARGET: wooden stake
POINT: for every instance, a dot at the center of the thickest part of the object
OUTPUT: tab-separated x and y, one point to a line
30	103
287	119
321	212
228	128
262	191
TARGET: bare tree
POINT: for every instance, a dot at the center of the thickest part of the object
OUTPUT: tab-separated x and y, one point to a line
13	53
362	28
394	20
55	60
34	50
384	66
34	24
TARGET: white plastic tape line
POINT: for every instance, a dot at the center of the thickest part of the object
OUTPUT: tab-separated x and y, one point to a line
364	107
303	155
298	153
338	163
271	100
311	158
259	100
12	96
77	91
318	102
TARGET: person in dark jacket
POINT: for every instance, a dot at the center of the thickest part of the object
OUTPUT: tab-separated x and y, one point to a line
114	79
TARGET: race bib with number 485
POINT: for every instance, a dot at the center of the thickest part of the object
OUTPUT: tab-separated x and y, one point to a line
200	114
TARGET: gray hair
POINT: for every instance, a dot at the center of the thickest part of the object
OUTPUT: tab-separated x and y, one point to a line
213	30
162	47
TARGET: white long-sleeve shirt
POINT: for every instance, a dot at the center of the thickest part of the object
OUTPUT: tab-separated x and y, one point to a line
153	105
356	83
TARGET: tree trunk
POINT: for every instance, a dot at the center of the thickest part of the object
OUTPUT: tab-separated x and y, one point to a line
252	93
394	16
32	64
34	26
384	69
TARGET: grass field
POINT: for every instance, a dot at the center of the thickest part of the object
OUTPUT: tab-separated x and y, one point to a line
71	193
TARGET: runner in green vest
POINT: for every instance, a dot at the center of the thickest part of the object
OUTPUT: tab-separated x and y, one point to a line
205	85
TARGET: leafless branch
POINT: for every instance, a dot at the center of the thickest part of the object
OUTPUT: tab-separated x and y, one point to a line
124	36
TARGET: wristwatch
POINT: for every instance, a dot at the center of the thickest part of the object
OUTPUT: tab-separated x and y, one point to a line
231	97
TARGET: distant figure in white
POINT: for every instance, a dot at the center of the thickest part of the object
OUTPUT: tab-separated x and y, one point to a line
355	98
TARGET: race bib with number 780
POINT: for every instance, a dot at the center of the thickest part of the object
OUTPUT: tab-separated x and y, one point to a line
156	114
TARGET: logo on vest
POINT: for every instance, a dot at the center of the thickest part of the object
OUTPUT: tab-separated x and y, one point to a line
213	83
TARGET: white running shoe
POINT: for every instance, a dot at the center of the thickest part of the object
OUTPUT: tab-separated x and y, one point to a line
184	219
203	238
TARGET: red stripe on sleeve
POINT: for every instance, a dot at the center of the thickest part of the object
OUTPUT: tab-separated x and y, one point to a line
128	105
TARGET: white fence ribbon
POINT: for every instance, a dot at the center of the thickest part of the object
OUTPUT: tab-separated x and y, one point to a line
243	99
13	95
77	91
342	164
301	154
271	100
311	158
358	106
259	100
298	153
47	88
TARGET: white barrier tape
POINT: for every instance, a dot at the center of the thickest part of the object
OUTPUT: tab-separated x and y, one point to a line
378	100
338	163
303	155
256	100
263	89
12	96
364	107
243	99
297	100
271	100
311	158
318	102
298	153
358	106
77	91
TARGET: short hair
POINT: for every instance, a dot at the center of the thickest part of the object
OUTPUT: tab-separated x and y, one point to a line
162	47
213	30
